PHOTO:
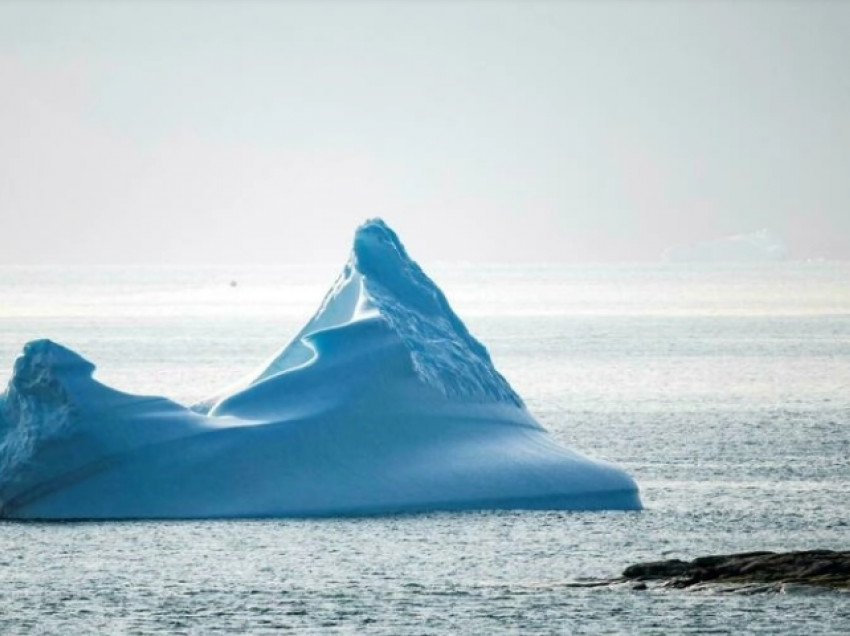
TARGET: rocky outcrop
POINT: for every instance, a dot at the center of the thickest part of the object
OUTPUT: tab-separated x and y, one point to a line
758	571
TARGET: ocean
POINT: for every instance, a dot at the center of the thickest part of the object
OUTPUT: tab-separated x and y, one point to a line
724	390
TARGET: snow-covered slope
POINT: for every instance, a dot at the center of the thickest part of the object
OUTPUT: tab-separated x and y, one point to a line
758	246
382	403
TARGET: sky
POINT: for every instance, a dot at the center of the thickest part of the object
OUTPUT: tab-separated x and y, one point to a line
482	131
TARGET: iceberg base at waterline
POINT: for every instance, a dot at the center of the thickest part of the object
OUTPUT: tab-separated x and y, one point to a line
383	403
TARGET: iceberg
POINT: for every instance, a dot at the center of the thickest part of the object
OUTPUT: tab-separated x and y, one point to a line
382	403
761	246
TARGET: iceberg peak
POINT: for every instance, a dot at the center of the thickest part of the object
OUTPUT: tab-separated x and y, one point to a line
381	282
377	245
37	406
443	352
39	387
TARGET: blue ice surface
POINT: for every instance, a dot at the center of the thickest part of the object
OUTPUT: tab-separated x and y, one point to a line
382	403
444	353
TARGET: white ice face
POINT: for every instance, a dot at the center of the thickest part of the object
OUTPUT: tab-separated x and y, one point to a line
382	403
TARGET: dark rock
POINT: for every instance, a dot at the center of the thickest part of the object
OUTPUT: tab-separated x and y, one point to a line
656	570
824	568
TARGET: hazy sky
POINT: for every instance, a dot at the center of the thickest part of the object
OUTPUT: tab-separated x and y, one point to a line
482	131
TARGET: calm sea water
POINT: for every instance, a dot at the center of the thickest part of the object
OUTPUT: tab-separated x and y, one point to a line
725	391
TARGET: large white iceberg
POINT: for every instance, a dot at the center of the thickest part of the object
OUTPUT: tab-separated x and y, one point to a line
382	403
761	246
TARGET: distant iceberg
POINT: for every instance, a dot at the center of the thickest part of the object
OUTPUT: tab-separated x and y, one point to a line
382	403
758	246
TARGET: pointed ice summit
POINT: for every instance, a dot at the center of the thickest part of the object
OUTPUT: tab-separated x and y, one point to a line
382	403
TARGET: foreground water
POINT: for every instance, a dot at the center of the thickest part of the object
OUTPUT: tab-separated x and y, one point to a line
724	391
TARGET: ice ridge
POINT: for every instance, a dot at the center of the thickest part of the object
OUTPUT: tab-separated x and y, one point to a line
380	279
